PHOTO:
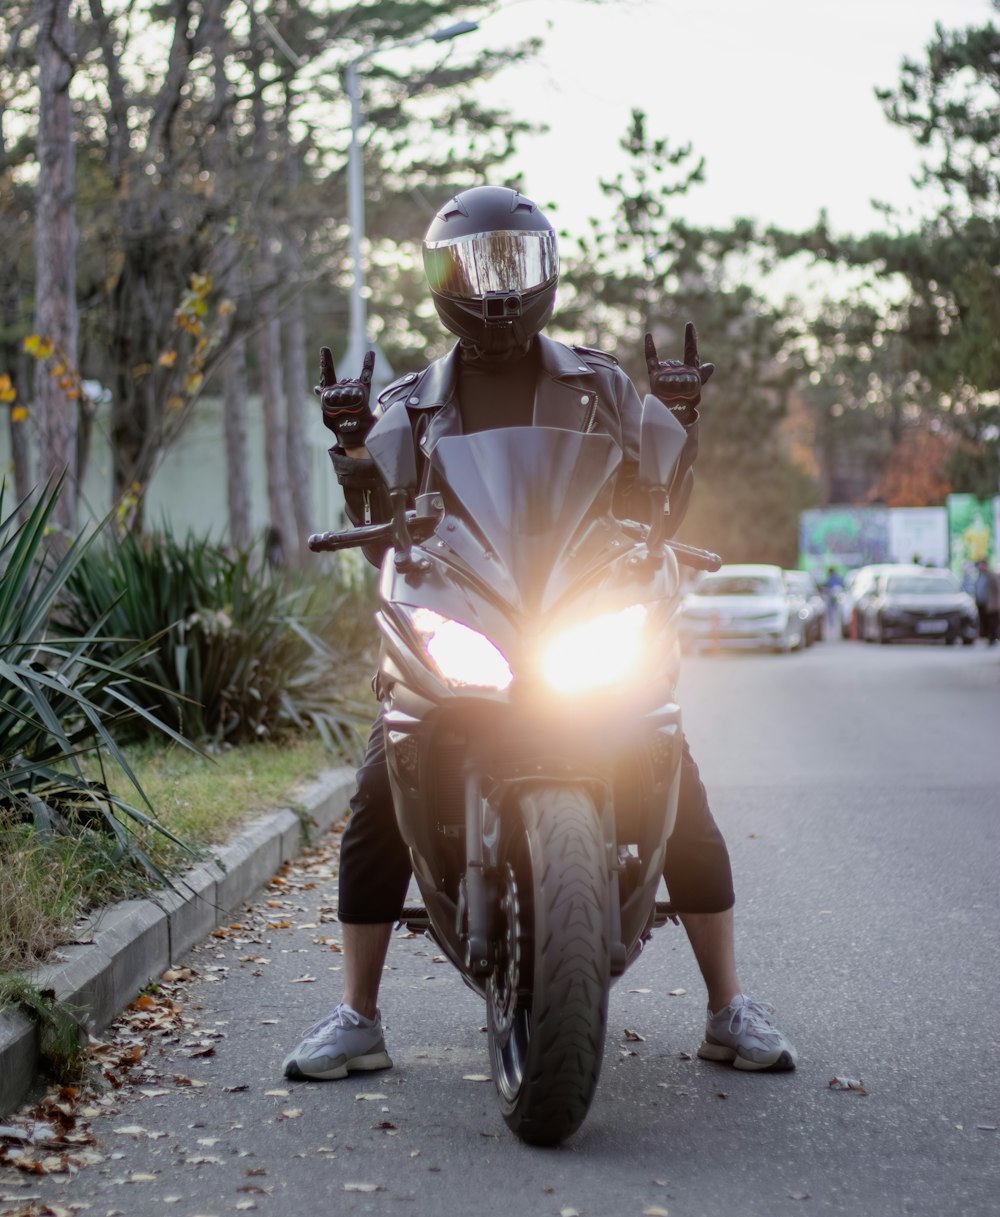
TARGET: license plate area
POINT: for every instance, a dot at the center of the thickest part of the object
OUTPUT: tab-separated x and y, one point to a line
932	627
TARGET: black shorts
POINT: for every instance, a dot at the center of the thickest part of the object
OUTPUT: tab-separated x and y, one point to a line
375	864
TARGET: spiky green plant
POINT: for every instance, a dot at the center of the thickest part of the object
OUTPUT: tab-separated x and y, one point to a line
61	698
233	650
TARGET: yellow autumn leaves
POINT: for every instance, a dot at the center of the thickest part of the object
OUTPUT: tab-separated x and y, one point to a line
191	318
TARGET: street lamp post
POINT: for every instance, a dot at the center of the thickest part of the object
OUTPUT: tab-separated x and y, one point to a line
357	341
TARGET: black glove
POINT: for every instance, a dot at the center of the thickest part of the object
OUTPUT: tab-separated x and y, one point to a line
345	402
677	383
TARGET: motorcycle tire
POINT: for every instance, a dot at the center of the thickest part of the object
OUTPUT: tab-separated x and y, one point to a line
547	1000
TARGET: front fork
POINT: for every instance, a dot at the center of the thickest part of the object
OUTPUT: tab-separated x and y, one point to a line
478	906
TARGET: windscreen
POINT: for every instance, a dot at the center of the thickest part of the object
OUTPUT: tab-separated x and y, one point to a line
519	502
740	585
921	585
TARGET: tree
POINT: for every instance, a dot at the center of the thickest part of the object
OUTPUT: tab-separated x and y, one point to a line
949	314
652	272
55	246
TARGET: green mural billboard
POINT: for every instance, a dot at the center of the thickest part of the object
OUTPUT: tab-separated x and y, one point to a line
971	535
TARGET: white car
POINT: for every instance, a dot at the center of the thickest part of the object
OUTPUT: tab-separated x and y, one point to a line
743	605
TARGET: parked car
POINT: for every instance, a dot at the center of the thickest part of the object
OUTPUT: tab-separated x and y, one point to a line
802	584
743	605
857	583
914	602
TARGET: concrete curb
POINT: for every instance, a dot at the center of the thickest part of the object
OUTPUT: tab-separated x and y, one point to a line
131	943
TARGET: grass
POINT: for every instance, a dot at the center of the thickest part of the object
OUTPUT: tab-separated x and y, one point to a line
48	882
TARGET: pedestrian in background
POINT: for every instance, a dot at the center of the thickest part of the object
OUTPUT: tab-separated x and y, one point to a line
988	601
831	588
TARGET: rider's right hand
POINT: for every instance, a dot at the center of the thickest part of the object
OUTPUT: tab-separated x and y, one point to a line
345	402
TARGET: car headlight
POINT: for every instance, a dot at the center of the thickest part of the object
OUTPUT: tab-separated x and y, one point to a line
463	656
595	653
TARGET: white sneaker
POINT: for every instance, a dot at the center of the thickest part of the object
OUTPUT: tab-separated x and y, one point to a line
339	1044
743	1033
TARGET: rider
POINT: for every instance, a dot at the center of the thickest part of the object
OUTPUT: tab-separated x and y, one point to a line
492	266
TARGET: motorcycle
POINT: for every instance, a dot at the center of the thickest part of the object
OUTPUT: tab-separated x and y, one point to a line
527	680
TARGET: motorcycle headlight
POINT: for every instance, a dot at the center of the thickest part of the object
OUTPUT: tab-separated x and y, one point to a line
464	657
596	653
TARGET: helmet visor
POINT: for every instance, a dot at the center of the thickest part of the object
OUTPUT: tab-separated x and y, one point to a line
469	267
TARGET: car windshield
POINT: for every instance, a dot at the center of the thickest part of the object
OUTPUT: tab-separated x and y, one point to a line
921	585
740	585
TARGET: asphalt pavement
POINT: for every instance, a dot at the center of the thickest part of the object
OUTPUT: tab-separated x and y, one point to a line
859	789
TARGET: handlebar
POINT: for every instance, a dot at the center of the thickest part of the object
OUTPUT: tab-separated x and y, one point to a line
422	527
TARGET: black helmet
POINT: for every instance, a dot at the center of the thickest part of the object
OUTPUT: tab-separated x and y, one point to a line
492	265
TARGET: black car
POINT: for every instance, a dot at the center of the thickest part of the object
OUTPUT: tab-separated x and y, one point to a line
912	602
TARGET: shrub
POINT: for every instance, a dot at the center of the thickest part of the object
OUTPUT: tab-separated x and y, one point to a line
61	699
232	648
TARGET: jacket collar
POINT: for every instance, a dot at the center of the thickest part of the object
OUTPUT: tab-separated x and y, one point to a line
564	397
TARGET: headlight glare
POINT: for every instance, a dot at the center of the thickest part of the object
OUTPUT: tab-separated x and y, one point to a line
595	653
463	656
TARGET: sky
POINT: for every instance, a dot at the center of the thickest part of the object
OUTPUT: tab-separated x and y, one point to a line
776	95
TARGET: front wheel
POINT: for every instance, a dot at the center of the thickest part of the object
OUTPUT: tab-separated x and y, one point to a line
547	1000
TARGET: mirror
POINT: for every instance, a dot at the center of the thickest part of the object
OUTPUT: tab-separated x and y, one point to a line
661	442
390	445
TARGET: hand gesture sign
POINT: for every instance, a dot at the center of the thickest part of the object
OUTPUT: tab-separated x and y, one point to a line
677	382
345	402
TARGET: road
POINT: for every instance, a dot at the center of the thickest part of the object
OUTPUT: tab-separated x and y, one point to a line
859	790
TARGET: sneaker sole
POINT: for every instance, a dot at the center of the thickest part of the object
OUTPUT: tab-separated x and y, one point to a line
358	1064
722	1052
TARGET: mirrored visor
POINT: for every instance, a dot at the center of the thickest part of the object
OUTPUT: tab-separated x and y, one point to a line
469	267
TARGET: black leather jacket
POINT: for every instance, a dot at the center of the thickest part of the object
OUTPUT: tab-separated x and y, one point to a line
577	389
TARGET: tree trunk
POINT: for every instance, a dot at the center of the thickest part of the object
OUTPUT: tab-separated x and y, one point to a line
234	394
55	250
298	398
281	538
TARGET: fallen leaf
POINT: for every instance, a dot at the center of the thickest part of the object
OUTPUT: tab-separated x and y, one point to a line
179	974
302	980
182	1080
684	1056
798	1195
154	1094
677	993
634	1036
362	1187
476	1077
654	1210
277	1094
370	1098
246	1204
569	1213
291	1113
853	1084
130	1130
235	1089
640	990
203	1160
138	1177
209	1141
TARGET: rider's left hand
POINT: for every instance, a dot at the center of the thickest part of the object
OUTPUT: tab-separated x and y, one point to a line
677	382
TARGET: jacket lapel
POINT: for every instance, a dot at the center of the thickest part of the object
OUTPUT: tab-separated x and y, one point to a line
566	395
